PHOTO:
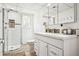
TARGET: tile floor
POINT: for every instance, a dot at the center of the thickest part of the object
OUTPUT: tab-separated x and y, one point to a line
24	50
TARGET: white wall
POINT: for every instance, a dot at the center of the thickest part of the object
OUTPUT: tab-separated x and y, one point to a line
38	22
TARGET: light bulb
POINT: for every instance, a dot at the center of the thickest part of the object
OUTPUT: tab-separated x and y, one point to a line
48	4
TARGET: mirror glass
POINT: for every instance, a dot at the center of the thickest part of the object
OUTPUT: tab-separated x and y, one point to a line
51	13
52	16
66	13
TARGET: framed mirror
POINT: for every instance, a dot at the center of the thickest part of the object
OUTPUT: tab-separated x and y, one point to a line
60	13
67	13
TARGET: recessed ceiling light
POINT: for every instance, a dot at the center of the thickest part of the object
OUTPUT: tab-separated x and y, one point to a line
49	4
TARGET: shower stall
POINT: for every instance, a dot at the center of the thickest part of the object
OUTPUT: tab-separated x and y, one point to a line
15	29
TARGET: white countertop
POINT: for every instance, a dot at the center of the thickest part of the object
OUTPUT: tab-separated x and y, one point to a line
56	35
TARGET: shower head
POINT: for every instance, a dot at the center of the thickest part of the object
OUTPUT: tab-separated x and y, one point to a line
12	10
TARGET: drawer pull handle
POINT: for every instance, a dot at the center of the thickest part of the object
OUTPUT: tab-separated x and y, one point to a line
53	52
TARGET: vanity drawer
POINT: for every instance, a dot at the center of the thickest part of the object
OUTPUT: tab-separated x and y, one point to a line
55	42
53	51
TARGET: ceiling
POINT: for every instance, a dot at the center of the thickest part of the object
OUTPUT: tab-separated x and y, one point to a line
41	6
36	5
32	6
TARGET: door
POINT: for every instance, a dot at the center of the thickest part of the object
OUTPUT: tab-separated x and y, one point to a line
27	28
42	48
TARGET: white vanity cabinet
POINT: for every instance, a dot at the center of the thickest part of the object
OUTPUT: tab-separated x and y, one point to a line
36	46
53	51
40	48
56	45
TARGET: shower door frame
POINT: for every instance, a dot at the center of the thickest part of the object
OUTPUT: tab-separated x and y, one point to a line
2	29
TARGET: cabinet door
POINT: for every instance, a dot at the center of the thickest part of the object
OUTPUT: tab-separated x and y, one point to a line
42	48
36	46
53	51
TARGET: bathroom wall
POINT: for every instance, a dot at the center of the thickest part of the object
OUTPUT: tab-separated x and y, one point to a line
38	22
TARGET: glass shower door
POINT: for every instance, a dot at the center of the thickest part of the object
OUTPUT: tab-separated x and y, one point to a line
12	30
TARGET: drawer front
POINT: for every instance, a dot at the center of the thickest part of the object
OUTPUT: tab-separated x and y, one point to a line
52	51
56	42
